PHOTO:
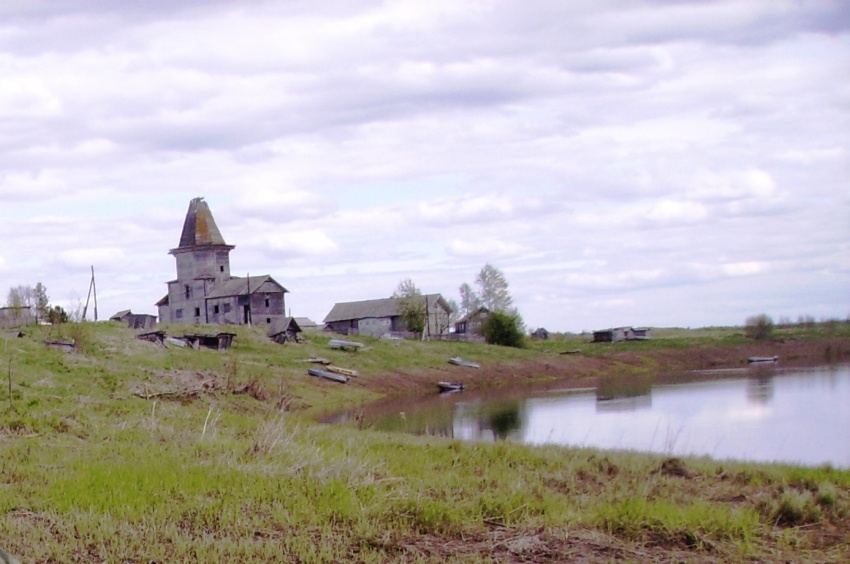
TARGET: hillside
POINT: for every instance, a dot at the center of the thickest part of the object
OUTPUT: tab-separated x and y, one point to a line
127	451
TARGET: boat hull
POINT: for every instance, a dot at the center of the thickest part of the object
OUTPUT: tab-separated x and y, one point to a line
341	378
461	362
757	359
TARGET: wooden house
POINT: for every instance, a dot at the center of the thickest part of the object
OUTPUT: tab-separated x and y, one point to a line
383	316
204	290
471	323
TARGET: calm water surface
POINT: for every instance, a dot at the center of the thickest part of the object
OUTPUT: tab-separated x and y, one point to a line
764	414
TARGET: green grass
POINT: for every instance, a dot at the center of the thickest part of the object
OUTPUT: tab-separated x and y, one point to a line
90	471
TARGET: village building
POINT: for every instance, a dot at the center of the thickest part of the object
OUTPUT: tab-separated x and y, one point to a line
135	320
383	317
622	334
307	324
470	325
204	290
11	316
285	330
540	334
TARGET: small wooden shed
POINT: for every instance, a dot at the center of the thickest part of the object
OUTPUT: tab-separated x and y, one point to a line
283	330
219	342
540	334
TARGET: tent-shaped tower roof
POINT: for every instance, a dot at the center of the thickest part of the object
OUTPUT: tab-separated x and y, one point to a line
199	228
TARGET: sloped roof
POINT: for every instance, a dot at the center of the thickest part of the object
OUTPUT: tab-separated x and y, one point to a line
120	315
199	228
383	307
282	324
241	286
476	315
306	322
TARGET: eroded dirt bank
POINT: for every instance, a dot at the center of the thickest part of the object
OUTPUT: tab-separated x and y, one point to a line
581	370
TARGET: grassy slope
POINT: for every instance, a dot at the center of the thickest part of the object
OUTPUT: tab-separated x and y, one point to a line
223	461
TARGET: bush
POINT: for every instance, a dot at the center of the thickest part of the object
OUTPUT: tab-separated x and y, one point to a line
759	327
503	329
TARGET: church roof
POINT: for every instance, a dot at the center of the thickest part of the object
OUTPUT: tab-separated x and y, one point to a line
199	228
264	284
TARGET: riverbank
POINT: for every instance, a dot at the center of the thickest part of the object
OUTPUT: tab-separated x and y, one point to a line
585	367
125	451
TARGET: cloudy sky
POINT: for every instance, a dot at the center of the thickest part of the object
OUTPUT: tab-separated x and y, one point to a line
665	163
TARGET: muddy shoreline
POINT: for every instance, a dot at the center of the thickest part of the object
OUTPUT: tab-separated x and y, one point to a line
579	370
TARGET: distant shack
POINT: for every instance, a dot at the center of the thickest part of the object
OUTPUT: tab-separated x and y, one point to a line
284	330
11	316
135	320
617	334
218	342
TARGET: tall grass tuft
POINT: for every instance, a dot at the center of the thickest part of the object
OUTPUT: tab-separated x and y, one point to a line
794	508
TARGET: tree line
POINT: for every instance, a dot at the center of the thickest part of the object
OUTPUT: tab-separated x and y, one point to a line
33	301
490	296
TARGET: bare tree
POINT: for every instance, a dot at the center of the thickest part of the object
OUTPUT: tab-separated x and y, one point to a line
469	301
493	290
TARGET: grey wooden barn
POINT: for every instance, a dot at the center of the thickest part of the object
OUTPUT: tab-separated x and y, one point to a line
383	316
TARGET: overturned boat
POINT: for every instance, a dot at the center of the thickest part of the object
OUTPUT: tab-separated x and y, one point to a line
462	362
755	359
319	373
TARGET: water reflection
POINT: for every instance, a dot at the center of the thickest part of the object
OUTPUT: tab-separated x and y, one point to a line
761	413
609	405
760	389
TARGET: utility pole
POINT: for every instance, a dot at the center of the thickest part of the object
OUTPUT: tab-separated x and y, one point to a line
92	288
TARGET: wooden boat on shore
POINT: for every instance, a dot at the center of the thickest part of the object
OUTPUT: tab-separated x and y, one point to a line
755	359
317	360
450	386
458	361
344	345
341	370
341	378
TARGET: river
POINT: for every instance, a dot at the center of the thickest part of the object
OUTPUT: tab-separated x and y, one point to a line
763	413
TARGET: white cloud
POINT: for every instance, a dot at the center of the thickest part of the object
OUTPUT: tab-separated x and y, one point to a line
484	248
753	183
25	96
27	185
302	243
82	258
744	268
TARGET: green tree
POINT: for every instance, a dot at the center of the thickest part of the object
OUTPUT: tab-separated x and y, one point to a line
42	301
411	306
502	328
56	315
759	327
